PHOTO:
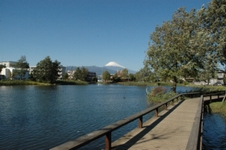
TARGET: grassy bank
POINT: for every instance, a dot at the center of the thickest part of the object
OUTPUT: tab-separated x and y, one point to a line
61	82
145	83
20	82
28	82
218	107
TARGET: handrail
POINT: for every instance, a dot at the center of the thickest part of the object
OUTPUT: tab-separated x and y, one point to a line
195	138
195	135
107	130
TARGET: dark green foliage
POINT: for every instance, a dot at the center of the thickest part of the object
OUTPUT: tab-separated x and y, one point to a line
65	76
189	45
47	71
124	74
81	74
106	76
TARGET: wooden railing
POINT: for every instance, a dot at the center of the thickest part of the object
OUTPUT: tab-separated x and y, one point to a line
107	130
195	138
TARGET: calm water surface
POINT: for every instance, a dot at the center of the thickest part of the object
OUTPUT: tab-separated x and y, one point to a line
214	132
41	117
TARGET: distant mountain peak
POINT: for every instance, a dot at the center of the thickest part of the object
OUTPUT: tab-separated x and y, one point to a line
113	64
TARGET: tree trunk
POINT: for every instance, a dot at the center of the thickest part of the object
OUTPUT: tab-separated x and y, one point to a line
174	85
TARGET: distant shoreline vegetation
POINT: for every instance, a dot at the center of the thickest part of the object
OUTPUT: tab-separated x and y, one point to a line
28	82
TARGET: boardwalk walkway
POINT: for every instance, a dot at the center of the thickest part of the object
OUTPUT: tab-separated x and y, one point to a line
171	130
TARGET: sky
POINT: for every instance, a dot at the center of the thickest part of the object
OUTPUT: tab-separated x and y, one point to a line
83	32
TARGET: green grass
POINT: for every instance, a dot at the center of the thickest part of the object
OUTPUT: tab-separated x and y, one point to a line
28	82
218	107
20	82
159	94
71	82
132	83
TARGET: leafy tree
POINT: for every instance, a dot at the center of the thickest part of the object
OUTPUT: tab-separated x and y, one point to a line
143	74
21	67
84	73
47	71
213	19
106	76
124	73
116	78
180	47
77	74
65	76
81	74
132	77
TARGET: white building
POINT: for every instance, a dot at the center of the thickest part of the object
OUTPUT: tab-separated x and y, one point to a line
8	71
8	63
61	73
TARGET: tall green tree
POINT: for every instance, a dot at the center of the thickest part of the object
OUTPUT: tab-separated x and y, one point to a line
47	71
143	74
21	67
213	19
124	73
84	73
81	74
180	47
106	76
77	74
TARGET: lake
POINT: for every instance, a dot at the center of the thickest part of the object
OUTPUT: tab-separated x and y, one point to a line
42	117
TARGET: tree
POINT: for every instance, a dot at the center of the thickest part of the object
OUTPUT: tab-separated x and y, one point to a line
47	71
132	77
81	74
84	73
213	19
106	76
124	74
65	76
143	74
77	74
180	47
21	67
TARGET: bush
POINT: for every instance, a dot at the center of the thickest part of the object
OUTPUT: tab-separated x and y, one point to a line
159	94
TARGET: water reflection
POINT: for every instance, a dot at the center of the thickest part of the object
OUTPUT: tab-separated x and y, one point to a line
214	132
46	116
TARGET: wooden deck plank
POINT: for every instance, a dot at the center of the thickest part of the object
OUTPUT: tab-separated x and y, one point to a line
171	132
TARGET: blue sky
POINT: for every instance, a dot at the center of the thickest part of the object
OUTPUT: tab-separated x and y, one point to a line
83	32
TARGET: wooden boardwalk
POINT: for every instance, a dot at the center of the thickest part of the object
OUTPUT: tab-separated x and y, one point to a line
171	130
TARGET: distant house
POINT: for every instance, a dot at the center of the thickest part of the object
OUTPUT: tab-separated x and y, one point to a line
8	63
214	81
8	71
62	71
90	76
70	74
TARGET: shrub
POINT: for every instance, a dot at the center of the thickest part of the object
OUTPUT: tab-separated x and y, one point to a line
159	94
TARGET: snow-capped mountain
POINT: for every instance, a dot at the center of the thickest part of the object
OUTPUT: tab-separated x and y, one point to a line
114	64
111	67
